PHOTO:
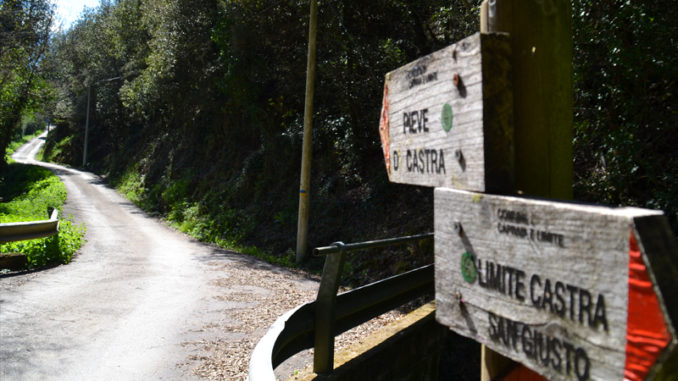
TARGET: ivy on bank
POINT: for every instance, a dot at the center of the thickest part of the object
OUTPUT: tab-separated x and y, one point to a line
28	192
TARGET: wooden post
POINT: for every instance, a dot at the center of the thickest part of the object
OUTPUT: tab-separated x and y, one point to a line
323	342
305	181
541	42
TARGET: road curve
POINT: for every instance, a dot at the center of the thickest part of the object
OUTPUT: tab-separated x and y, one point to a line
139	301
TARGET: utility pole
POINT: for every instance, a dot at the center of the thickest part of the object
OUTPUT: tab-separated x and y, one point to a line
541	44
84	149
89	93
305	182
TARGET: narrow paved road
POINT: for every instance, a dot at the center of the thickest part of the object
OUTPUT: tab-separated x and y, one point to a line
139	301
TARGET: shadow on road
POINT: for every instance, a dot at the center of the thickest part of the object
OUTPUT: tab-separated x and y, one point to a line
28	271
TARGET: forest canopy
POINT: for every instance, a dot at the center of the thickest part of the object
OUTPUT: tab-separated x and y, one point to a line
197	107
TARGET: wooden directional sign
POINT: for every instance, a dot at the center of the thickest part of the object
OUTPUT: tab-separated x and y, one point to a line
574	292
447	118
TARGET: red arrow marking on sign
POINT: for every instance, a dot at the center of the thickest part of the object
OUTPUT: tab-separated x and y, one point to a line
384	130
646	331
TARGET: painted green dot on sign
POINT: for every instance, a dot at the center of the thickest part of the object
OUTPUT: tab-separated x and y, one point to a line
468	267
447	117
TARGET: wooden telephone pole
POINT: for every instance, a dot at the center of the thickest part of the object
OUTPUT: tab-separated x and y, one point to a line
541	43
305	181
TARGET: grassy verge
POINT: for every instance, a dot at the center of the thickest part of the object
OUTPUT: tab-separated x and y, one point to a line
209	220
191	217
28	192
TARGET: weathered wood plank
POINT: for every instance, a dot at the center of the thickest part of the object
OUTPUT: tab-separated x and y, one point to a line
447	118
567	289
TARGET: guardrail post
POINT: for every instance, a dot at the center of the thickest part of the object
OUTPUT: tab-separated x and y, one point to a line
323	355
315	324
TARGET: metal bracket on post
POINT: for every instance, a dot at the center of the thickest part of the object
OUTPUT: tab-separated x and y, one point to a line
323	357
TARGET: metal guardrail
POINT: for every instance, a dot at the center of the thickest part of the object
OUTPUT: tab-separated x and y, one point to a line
20	231
339	246
315	324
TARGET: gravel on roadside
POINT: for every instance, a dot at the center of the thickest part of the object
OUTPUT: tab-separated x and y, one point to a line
259	297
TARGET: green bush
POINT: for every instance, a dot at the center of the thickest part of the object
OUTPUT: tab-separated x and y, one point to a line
30	192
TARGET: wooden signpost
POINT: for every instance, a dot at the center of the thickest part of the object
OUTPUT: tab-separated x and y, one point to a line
575	292
447	118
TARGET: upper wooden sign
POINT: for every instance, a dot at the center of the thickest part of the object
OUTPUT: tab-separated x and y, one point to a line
447	118
574	292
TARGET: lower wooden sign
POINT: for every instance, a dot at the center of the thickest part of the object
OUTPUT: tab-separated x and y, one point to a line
575	292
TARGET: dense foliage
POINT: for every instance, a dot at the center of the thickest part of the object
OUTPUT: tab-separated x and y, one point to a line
29	192
204	124
626	105
196	109
24	35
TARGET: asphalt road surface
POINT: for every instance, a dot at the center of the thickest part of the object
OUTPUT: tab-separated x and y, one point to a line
139	301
